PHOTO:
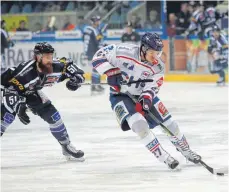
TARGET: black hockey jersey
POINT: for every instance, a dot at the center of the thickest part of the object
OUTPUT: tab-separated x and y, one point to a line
92	41
220	44
25	78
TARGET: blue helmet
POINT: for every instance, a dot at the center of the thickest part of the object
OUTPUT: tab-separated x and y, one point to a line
151	41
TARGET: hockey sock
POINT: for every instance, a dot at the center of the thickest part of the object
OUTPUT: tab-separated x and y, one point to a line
178	140
222	74
153	145
59	131
95	79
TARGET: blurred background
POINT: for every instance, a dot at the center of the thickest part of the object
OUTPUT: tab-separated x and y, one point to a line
63	24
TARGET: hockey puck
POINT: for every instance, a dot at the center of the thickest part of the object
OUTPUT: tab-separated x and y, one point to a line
221	174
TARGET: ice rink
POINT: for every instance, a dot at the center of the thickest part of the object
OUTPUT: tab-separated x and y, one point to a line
31	159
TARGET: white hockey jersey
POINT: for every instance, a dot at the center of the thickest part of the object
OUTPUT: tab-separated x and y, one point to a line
126	57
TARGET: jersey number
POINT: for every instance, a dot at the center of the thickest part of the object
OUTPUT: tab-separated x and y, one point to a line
71	69
12	99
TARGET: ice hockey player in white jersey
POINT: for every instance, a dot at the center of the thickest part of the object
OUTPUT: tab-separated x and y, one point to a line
127	62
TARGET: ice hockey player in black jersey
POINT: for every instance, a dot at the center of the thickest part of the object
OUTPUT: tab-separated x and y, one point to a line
21	89
218	48
92	38
203	20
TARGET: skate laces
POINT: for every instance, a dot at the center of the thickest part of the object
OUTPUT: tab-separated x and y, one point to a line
184	147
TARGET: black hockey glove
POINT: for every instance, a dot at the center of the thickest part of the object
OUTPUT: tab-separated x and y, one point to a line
74	83
17	104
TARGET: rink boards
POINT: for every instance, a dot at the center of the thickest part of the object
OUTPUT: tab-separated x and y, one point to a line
74	49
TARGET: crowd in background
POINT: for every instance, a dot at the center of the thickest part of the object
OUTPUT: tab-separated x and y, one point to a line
177	23
116	20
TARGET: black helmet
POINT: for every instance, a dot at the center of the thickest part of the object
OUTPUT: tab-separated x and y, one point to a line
43	47
151	41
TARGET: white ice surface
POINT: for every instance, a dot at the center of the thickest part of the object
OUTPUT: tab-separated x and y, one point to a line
116	161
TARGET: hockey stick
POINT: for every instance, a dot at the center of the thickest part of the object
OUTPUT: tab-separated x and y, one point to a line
220	171
123	83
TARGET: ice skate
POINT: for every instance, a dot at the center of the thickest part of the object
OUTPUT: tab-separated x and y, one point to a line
171	162
221	82
183	147
100	88
190	155
71	153
96	89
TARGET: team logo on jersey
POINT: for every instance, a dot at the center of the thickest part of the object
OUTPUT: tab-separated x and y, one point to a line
16	82
52	79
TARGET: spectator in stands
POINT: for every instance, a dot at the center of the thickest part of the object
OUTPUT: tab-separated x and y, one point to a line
153	20
183	19
68	26
172	24
135	20
37	27
39	7
50	25
22	26
130	36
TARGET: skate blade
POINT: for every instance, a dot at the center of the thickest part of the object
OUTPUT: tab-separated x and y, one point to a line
178	168
70	158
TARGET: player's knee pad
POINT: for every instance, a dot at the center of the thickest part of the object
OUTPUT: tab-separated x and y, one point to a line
139	125
173	127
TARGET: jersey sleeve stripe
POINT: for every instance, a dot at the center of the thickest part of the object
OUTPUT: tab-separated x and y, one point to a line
98	62
137	62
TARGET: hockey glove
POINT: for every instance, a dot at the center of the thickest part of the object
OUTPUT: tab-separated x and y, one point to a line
18	105
74	83
144	102
114	79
